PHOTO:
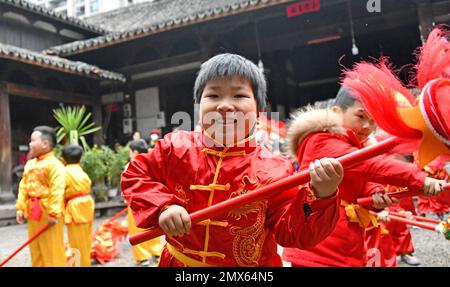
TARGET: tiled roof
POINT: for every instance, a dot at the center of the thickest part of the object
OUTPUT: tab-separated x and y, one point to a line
57	63
25	5
144	19
145	14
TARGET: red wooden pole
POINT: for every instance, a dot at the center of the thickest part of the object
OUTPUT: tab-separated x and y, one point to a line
402	194
415	217
270	189
119	214
409	221
36	235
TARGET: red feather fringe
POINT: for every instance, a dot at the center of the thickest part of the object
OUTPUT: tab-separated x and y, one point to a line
434	57
379	90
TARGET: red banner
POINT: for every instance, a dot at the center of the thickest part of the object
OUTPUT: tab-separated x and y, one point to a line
303	7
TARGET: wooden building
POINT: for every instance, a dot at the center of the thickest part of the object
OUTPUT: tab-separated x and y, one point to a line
303	45
32	83
158	47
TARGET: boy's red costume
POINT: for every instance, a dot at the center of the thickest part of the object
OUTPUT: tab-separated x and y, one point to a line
316	134
182	169
441	203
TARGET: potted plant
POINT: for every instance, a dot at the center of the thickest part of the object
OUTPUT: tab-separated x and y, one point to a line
93	164
109	157
116	166
114	163
74	125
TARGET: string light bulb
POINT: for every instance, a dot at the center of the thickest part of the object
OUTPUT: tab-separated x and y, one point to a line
355	50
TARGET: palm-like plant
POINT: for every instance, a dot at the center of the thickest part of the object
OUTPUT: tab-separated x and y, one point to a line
74	125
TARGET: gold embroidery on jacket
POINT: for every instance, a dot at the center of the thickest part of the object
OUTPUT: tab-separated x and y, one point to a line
36	181
248	241
249	184
181	192
243	211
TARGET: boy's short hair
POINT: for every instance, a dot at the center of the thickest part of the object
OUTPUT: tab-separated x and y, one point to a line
230	65
344	98
47	133
139	145
72	153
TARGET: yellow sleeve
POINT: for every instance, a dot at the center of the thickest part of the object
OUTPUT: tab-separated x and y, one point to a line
21	203
22	197
56	186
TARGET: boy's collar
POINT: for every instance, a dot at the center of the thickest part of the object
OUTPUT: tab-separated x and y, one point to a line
248	144
351	135
73	164
45	155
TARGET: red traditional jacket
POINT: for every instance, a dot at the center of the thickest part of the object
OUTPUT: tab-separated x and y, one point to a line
182	169
316	134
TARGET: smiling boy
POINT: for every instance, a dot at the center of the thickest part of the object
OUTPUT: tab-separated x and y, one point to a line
189	171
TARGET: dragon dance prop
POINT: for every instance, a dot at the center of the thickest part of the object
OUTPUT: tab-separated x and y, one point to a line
107	236
443	227
381	94
397	111
36	235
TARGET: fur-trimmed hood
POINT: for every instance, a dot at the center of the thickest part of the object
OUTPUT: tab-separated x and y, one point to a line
308	120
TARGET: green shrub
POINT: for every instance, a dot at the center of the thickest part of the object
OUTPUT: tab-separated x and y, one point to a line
104	167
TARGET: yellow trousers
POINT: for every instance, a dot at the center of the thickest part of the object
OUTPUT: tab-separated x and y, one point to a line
80	239
48	249
143	250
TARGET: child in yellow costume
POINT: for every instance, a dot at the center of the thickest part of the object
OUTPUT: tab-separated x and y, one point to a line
79	205
152	248
41	200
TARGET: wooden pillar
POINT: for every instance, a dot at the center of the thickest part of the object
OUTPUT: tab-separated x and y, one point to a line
97	114
5	142
98	120
426	19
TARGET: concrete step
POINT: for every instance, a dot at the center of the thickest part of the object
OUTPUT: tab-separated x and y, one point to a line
7	198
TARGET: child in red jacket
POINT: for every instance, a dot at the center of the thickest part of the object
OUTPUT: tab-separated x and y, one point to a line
332	133
438	205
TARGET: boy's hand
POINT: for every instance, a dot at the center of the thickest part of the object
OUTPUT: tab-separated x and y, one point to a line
380	200
371	140
383	216
432	186
52	221
409	214
19	216
175	221
326	174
